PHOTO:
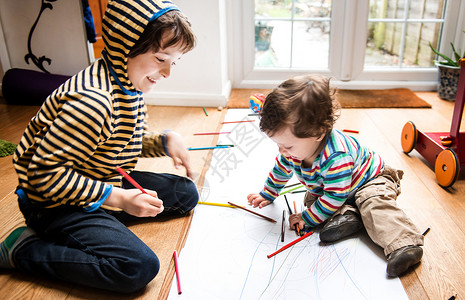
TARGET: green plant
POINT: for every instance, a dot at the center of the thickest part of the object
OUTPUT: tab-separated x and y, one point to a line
449	61
6	148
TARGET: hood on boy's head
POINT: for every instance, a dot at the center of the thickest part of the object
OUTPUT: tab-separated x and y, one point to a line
123	24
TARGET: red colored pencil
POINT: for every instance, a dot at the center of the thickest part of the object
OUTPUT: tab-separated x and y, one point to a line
290	244
237	122
176	268
350	130
250	211
129	178
209	133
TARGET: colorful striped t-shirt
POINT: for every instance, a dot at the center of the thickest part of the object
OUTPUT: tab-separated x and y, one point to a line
338	171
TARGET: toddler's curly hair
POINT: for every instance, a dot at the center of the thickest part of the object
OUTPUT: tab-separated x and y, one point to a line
305	103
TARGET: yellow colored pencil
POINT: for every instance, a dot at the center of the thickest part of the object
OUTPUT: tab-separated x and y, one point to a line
215	204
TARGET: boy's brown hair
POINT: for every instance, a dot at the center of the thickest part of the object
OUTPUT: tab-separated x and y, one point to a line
177	28
305	103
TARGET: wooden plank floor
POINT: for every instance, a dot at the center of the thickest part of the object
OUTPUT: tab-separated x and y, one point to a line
171	233
439	276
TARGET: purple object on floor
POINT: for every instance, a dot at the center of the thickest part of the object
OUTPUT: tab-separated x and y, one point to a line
28	87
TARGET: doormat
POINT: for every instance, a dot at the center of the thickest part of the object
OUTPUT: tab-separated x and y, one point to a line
388	98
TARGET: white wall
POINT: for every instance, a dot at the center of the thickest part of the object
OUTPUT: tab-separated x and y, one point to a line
199	79
59	35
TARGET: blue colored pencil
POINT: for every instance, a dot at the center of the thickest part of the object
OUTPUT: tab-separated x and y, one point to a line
209	148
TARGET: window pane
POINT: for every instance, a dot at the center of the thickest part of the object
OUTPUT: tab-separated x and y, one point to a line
394	9
312	9
417	50
382	44
311	45
422	9
273	9
403	42
292	33
273	44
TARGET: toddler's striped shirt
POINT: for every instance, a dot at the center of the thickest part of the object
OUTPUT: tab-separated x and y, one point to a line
341	168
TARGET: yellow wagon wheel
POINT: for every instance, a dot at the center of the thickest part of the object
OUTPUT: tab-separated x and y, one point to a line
447	168
409	137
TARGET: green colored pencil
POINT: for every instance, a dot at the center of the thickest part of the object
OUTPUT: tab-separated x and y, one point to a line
290	190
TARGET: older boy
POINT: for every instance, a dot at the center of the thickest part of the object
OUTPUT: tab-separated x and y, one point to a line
69	191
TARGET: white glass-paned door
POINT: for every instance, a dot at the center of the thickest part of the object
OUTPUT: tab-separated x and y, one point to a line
292	33
361	43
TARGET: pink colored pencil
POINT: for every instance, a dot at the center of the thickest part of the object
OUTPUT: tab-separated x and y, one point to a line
209	133
129	178
176	268
290	244
238	122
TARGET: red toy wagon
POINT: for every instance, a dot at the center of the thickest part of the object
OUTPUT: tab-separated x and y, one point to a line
444	150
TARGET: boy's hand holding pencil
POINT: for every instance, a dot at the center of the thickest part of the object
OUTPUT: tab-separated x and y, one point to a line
142	205
137	202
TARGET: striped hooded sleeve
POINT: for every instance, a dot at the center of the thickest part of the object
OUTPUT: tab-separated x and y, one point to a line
153	144
58	168
336	173
277	179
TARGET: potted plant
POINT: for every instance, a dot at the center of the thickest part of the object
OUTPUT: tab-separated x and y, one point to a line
449	71
262	36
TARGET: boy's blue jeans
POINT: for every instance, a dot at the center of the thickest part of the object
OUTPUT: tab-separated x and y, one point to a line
96	249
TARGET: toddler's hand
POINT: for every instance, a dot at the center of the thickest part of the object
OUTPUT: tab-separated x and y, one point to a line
257	200
296	219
